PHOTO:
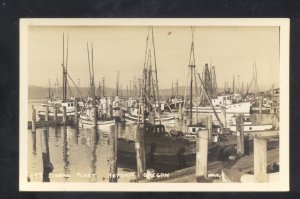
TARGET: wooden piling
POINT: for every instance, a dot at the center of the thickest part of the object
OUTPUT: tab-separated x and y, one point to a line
260	107
180	111
64	115
121	114
110	111
223	111
95	117
113	169
46	113
209	125
76	112
260	160
55	115
140	152
142	115
47	166
201	155
33	128
240	135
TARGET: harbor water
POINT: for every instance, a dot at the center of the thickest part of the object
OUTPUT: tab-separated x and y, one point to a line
82	155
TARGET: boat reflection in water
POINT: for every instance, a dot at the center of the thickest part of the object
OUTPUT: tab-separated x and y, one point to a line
67	154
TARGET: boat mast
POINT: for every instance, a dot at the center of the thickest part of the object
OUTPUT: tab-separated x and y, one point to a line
49	91
117	85
154	55
65	68
91	72
103	86
192	68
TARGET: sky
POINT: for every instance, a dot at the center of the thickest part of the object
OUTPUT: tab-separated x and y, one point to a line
232	50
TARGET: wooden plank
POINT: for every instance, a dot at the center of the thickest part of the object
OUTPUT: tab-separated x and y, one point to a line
260	160
201	154
264	134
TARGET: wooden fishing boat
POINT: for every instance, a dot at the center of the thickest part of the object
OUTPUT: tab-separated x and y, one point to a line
166	148
249	126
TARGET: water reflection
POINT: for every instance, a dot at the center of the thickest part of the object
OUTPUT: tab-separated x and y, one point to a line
92	142
86	152
65	154
47	165
34	143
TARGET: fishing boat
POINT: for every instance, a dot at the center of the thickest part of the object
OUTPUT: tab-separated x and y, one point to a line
225	101
166	148
249	126
149	89
59	104
171	148
165	117
95	109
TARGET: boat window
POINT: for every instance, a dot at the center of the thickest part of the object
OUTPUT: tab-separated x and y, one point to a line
224	98
228	98
193	129
68	104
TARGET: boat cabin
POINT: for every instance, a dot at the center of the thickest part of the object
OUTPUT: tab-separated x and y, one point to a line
222	100
154	129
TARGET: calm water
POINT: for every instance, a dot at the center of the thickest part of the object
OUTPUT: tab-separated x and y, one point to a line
81	155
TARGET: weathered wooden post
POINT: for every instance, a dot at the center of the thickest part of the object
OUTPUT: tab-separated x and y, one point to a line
47	166
151	117
64	115
113	170
33	143
33	128
55	115
223	111
142	115
46	113
260	160
126	106
180	111
140	152
201	155
209	125
260	107
76	113
240	135
110	111
121	114
95	117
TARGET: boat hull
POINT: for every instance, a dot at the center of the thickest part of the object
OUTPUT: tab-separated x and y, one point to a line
70	116
238	108
164	155
104	125
167	119
253	127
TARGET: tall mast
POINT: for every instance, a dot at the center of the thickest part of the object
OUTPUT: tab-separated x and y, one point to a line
177	89
103	87
233	85
91	72
49	91
192	68
117	85
130	88
154	55
64	65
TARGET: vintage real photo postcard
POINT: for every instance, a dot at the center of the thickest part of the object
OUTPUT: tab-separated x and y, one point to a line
154	105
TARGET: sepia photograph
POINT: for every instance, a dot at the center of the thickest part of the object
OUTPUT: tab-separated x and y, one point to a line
154	105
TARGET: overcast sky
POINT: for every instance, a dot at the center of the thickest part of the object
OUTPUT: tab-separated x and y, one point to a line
232	50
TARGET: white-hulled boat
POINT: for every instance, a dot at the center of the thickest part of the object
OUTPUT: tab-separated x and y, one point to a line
227	102
70	110
249	126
